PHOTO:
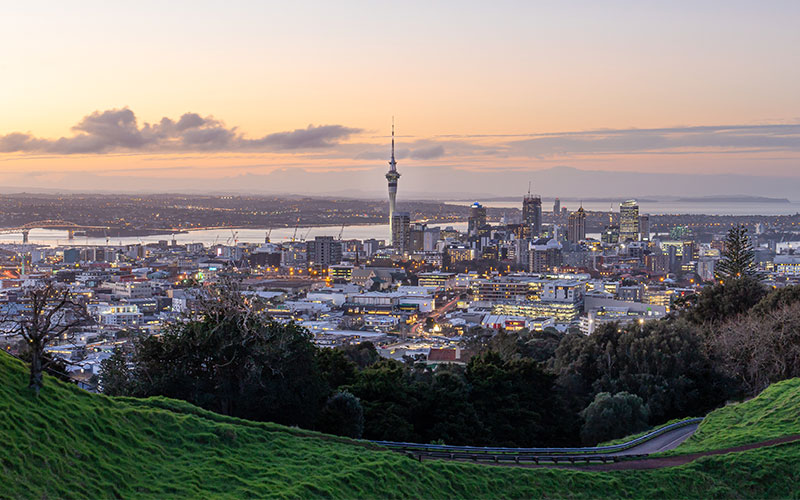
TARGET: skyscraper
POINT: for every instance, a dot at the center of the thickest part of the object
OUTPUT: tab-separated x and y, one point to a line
576	226
477	218
557	207
629	221
392	175
532	214
644	227
401	232
323	251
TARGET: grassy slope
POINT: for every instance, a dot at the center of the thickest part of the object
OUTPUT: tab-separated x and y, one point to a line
76	445
774	413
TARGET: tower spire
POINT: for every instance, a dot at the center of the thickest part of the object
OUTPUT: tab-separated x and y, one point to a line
391	177
392	162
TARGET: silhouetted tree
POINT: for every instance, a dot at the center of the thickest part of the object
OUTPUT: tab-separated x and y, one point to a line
738	259
342	415
231	358
50	314
613	416
115	376
723	301
759	348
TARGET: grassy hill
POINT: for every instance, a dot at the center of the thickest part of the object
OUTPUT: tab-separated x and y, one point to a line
70	444
773	414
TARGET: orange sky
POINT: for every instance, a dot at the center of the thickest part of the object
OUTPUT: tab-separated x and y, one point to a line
463	69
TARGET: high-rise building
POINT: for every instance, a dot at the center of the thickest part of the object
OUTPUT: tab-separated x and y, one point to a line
401	232
629	221
644	227
544	255
430	237
576	226
416	236
610	235
477	218
323	251
391	176
532	214
557	207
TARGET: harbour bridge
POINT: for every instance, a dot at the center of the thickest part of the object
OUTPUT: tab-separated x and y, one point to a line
25	229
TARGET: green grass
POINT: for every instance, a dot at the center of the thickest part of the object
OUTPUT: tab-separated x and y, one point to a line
772	414
70	444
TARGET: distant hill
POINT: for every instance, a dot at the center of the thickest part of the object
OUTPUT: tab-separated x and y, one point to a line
733	199
68	443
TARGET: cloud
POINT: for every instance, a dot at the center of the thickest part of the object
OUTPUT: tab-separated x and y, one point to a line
117	130
311	137
776	137
428	153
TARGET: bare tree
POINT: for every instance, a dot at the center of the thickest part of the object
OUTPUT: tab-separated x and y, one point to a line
50	313
759	349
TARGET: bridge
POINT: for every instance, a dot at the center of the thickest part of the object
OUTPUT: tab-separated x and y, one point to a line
25	229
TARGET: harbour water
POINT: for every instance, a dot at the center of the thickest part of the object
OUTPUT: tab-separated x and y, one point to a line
210	237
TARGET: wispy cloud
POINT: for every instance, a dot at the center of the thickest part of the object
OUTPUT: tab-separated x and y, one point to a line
117	130
695	140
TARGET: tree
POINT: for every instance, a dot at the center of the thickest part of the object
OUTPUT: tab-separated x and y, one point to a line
759	348
513	400
663	362
613	416
723	301
115	377
342	415
233	359
51	313
336	368
385	391
738	259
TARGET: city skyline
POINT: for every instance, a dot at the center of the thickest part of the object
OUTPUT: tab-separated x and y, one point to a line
511	92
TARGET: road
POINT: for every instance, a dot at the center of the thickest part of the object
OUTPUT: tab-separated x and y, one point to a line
660	440
419	327
664	442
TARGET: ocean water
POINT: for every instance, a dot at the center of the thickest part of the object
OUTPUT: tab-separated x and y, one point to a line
661	207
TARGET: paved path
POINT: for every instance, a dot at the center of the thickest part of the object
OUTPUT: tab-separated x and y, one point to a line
667	441
659	462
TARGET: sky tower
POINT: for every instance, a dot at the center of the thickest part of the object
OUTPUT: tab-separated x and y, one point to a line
392	175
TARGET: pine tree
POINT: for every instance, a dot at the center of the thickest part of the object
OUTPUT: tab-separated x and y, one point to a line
738	259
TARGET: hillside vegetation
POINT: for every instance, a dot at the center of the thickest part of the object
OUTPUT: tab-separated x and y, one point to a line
71	444
772	414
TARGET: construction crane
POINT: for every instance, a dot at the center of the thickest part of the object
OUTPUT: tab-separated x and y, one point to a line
340	232
296	225
269	232
306	235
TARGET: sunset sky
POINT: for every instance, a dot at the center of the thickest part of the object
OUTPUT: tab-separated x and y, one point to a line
299	96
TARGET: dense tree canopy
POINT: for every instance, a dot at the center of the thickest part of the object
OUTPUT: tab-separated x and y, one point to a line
723	301
662	362
613	416
234	361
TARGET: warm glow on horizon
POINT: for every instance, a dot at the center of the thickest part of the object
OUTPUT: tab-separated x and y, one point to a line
506	87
